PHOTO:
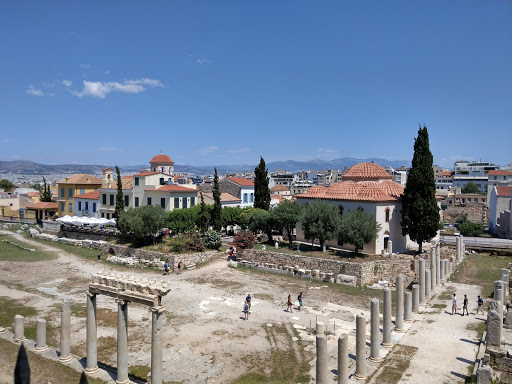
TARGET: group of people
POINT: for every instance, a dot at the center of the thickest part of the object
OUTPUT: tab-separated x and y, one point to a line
247	305
479	304
167	269
290	305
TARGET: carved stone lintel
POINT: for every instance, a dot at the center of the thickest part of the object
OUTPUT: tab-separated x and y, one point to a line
158	309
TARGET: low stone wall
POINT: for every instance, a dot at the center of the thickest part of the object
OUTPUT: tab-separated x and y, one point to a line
123	250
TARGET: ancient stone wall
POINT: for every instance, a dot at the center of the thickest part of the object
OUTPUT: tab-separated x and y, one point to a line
477	213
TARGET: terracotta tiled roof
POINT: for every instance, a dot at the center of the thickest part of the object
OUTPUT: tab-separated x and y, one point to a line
499	172
148	173
445	174
107	169
43	205
362	191
277	197
503	191
279	187
224	196
33	194
173	188
242	181
80	178
161	158
94	195
365	171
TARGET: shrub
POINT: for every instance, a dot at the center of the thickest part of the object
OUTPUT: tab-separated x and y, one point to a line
244	240
471	229
195	243
212	240
177	244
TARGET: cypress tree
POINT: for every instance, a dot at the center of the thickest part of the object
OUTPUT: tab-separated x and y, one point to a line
420	212
217	207
45	194
119	196
261	189
203	216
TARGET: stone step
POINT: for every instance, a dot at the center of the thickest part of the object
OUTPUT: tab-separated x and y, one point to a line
190	266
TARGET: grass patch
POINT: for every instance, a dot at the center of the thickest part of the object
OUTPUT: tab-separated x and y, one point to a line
479	327
10	308
84	252
140	372
481	269
42	370
397	363
439	306
10	252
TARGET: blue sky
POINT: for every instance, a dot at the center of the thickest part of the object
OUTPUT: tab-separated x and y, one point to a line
218	82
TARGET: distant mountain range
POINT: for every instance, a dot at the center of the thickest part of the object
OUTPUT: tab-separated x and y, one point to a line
31	168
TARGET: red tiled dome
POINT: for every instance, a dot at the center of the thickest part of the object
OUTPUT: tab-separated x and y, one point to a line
343	189
366	171
161	158
391	188
372	192
316	192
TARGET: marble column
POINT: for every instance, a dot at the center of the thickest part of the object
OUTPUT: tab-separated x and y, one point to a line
399	320
386	320
494	331
428	280
415	298
458	247
498	297
408	307
122	342
374	330
433	284
505	277
320	328
19	329
343	359
443	264
91	335
390	246
360	347
156	345
422	280
462	247
41	336
65	332
322	370
438	265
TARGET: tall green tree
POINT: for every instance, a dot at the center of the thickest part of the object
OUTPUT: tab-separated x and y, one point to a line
142	222
204	216
261	189
216	214
287	215
358	228
45	194
320	221
119	196
470	188
420	212
6	185
231	217
183	220
261	220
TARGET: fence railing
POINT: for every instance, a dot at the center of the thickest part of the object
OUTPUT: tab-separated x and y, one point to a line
479	242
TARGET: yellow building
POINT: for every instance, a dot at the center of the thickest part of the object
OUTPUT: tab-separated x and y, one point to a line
75	185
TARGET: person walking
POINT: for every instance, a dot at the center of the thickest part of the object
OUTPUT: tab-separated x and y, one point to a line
289	308
479	303
454	304
166	268
246	310
300	301
248	300
465	306
179	268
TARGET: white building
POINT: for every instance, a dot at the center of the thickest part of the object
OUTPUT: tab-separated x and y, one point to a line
87	204
500	206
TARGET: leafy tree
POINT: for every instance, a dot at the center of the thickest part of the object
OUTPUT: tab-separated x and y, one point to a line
358	228
287	215
212	240
183	220
470	188
244	240
230	216
142	222
119	196
471	229
320	221
462	218
216	214
45	194
204	216
261	220
6	185
420	212
261	190
37	186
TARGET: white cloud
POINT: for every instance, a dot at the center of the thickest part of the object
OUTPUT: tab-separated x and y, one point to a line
207	150
67	83
203	61
239	150
102	89
37	92
111	149
85	66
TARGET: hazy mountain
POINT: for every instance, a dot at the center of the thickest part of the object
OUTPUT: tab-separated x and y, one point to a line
31	168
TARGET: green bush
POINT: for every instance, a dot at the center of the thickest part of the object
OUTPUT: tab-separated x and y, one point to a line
195	243
244	240
471	229
212	240
177	244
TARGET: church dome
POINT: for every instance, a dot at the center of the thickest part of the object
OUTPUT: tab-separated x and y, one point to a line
366	171
161	158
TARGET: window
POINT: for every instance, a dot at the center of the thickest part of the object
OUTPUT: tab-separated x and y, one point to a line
136	202
360	209
79	205
86	205
136	180
82	191
149	200
184	202
94	207
162	202
70	192
70	207
108	216
62	206
62	196
104	199
111	199
162	181
126	200
176	202
245	198
102	215
495	177
341	213
192	201
387	215
251	198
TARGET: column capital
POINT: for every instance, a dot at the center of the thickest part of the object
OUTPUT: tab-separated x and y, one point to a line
88	293
158	309
122	301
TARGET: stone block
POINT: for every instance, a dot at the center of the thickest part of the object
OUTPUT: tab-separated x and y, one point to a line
484	375
493	329
346	279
